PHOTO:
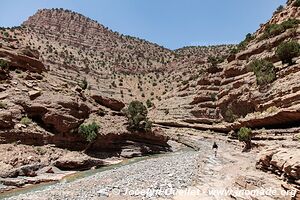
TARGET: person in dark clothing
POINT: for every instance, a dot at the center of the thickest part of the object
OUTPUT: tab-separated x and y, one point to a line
215	148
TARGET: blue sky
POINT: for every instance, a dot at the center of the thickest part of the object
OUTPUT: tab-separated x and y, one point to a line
170	23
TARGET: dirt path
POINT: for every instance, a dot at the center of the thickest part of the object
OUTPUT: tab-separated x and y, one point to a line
232	171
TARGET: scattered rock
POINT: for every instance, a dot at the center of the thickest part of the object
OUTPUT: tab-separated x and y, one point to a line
34	94
3	96
2	88
6	119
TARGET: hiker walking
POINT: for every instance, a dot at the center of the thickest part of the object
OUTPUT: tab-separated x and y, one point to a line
215	148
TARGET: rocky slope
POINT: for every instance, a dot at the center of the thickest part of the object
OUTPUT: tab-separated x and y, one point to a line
226	96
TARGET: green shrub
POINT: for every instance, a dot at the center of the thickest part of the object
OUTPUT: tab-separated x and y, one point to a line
101	112
113	84
167	111
286	51
245	135
185	82
137	116
3	105
234	50
84	84
26	121
230	116
290	23
264	71
213	96
214	60
242	45
89	131
297	3
149	103
279	9
276	29
3	64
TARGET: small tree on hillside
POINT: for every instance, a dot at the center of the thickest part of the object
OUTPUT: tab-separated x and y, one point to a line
137	117
89	131
83	84
264	71
245	135
286	51
149	103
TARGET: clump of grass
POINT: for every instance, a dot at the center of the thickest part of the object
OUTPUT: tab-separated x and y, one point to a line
26	121
3	105
3	64
272	109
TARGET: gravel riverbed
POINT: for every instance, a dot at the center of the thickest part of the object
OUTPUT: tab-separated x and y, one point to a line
158	175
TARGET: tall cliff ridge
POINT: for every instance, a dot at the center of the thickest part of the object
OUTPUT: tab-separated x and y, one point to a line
117	51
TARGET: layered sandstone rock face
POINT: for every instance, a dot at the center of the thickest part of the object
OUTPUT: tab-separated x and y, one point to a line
228	97
64	70
119	52
53	80
281	161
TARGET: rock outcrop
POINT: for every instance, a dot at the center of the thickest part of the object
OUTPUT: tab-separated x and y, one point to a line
75	161
230	96
22	61
83	33
281	161
108	102
130	144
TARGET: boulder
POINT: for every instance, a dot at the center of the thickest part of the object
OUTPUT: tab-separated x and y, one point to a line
5	169
108	102
3	96
25	170
59	113
22	61
6	119
281	161
130	144
292	165
2	88
77	161
34	94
